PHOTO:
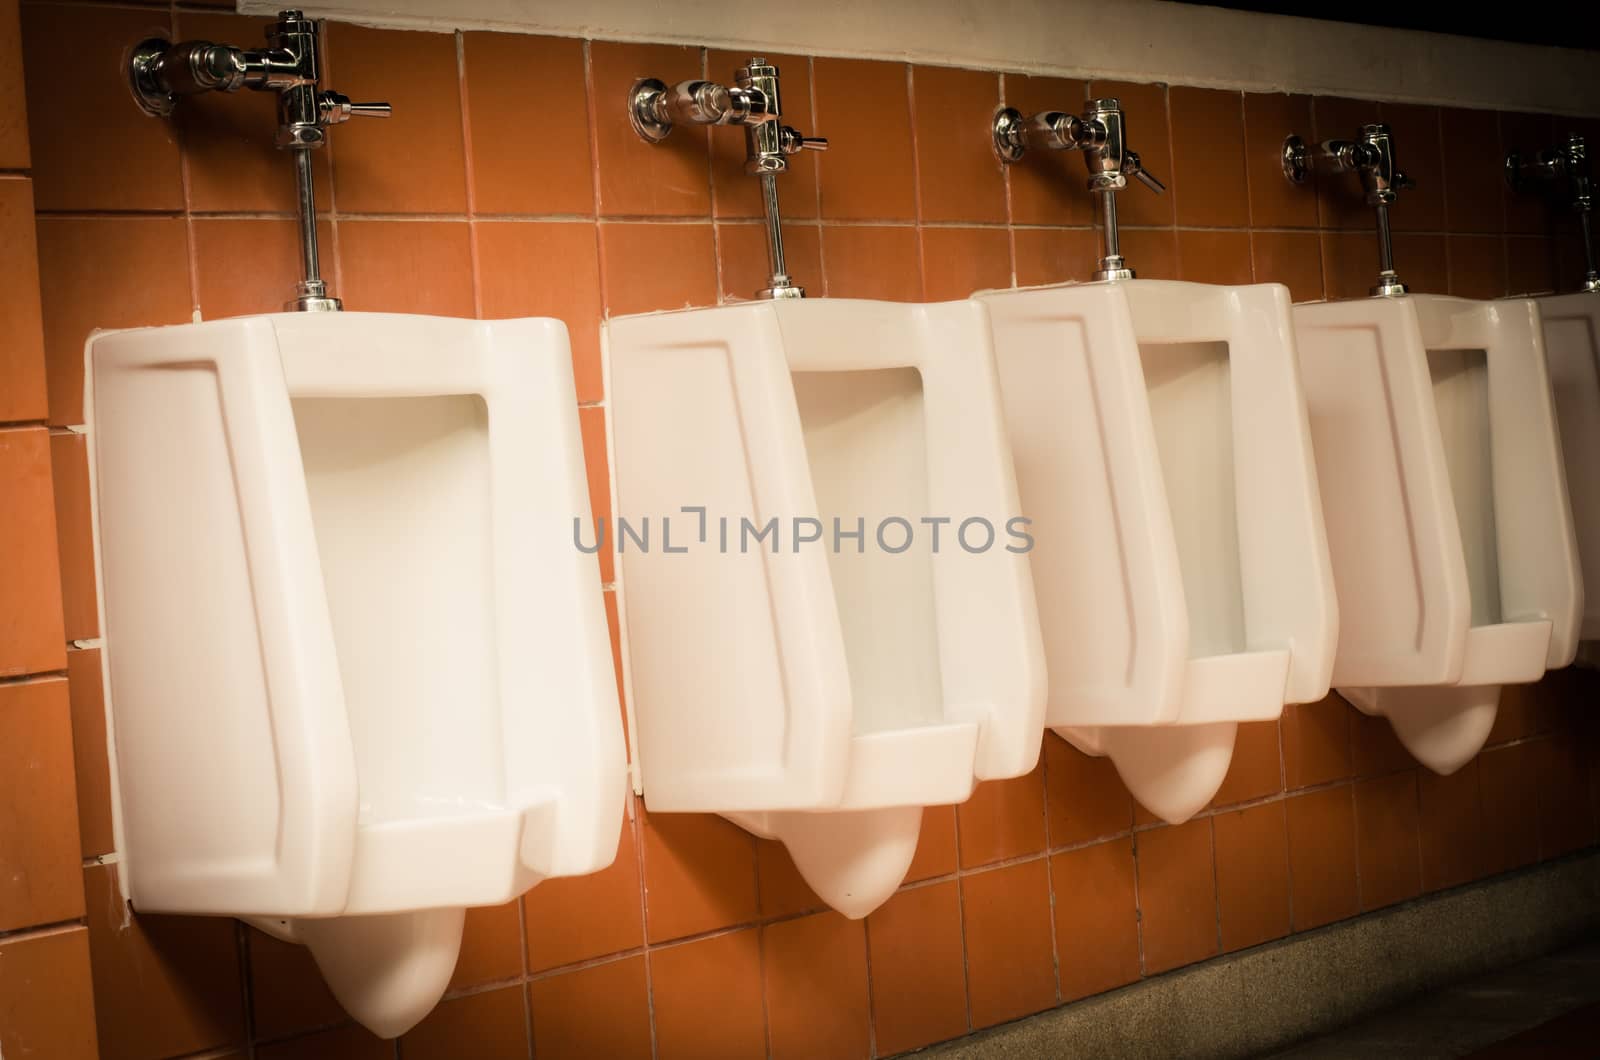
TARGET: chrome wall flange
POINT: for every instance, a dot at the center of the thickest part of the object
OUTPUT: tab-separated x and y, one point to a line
1296	164
148	92
644	97
1009	143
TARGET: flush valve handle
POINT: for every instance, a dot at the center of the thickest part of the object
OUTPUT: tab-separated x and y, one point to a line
335	107
792	142
1134	167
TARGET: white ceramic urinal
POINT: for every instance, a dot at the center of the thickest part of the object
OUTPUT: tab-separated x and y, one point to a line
1181	569
821	683
1447	512
1572	346
357	675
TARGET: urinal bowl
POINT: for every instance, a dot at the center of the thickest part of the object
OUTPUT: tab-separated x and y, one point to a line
816	689
357	676
1162	450
1572	347
1447	514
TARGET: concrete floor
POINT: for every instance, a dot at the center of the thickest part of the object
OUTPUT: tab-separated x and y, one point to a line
1547	1007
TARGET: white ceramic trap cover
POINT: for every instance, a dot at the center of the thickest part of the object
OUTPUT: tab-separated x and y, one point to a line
1572	347
813	686
1182	573
357	675
1447	512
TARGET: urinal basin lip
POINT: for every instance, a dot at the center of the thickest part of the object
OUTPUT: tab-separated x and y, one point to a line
345	320
1506	653
788	307
1418	298
1133	284
931	765
1587	302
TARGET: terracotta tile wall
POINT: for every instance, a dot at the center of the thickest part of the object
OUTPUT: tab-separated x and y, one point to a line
699	940
46	999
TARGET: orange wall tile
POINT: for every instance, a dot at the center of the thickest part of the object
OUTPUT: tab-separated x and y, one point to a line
869	262
415	161
1450	822
39	864
92	148
1274	202
407	266
815	978
1388	854
69	476
1208	158
1322	857
1316	742
573	920
1177	895
597	1010
1010	955
699	874
958	261
22	390
700	940
14	121
493	1021
868	173
1096	918
1004	819
105	272
90	765
510	139
1084	797
742	259
46	997
669	179
919	985
272	245
707	997
163	985
31	639
1252	850
1256	770
958	175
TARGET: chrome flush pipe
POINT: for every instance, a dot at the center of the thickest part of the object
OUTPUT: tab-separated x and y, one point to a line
1101	134
161	71
1371	155
1565	167
752	101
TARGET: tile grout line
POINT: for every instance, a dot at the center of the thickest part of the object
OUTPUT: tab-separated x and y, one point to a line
469	175
916	181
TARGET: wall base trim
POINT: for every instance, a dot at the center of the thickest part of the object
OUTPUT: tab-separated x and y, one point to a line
1274	995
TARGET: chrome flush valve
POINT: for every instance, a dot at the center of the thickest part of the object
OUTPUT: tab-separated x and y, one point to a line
1370	154
1101	134
161	71
1563	173
752	101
